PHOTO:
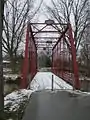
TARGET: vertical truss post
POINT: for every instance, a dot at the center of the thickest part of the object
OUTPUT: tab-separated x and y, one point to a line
30	59
57	61
75	66
33	56
52	87
63	57
53	67
36	61
60	60
52	62
25	64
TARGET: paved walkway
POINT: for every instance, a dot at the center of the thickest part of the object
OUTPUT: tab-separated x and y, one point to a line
60	105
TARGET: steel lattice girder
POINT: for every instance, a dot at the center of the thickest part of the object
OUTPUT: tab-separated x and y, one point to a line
64	31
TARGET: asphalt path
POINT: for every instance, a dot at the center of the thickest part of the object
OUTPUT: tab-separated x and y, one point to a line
57	105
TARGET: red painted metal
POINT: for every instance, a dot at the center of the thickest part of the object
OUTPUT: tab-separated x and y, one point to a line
75	66
25	64
30	59
64	62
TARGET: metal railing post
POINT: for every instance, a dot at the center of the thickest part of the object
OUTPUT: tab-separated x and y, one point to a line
52	83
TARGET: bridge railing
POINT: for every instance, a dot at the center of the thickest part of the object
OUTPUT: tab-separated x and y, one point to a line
64	62
29	68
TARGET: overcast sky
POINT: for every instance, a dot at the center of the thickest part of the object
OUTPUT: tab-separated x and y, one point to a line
41	16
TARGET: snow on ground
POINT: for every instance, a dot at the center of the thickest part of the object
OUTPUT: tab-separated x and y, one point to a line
7	70
12	76
43	80
14	99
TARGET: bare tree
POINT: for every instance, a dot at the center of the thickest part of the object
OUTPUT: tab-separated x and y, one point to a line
72	11
85	45
16	15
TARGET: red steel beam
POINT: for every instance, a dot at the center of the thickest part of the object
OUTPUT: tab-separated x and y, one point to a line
44	42
52	23
25	64
61	37
46	32
30	59
44	47
46	37
75	66
72	48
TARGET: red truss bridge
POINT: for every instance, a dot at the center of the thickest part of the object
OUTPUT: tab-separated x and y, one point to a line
58	38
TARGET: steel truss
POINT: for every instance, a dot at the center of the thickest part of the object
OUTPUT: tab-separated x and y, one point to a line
61	41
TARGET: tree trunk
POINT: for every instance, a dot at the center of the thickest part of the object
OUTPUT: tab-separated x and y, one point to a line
1	64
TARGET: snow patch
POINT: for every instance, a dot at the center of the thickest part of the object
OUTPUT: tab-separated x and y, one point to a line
14	99
43	80
12	76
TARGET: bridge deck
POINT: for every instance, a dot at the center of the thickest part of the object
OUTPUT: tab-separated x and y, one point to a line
60	105
43	80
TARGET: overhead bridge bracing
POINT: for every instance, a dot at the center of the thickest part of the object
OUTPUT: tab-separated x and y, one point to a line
58	38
